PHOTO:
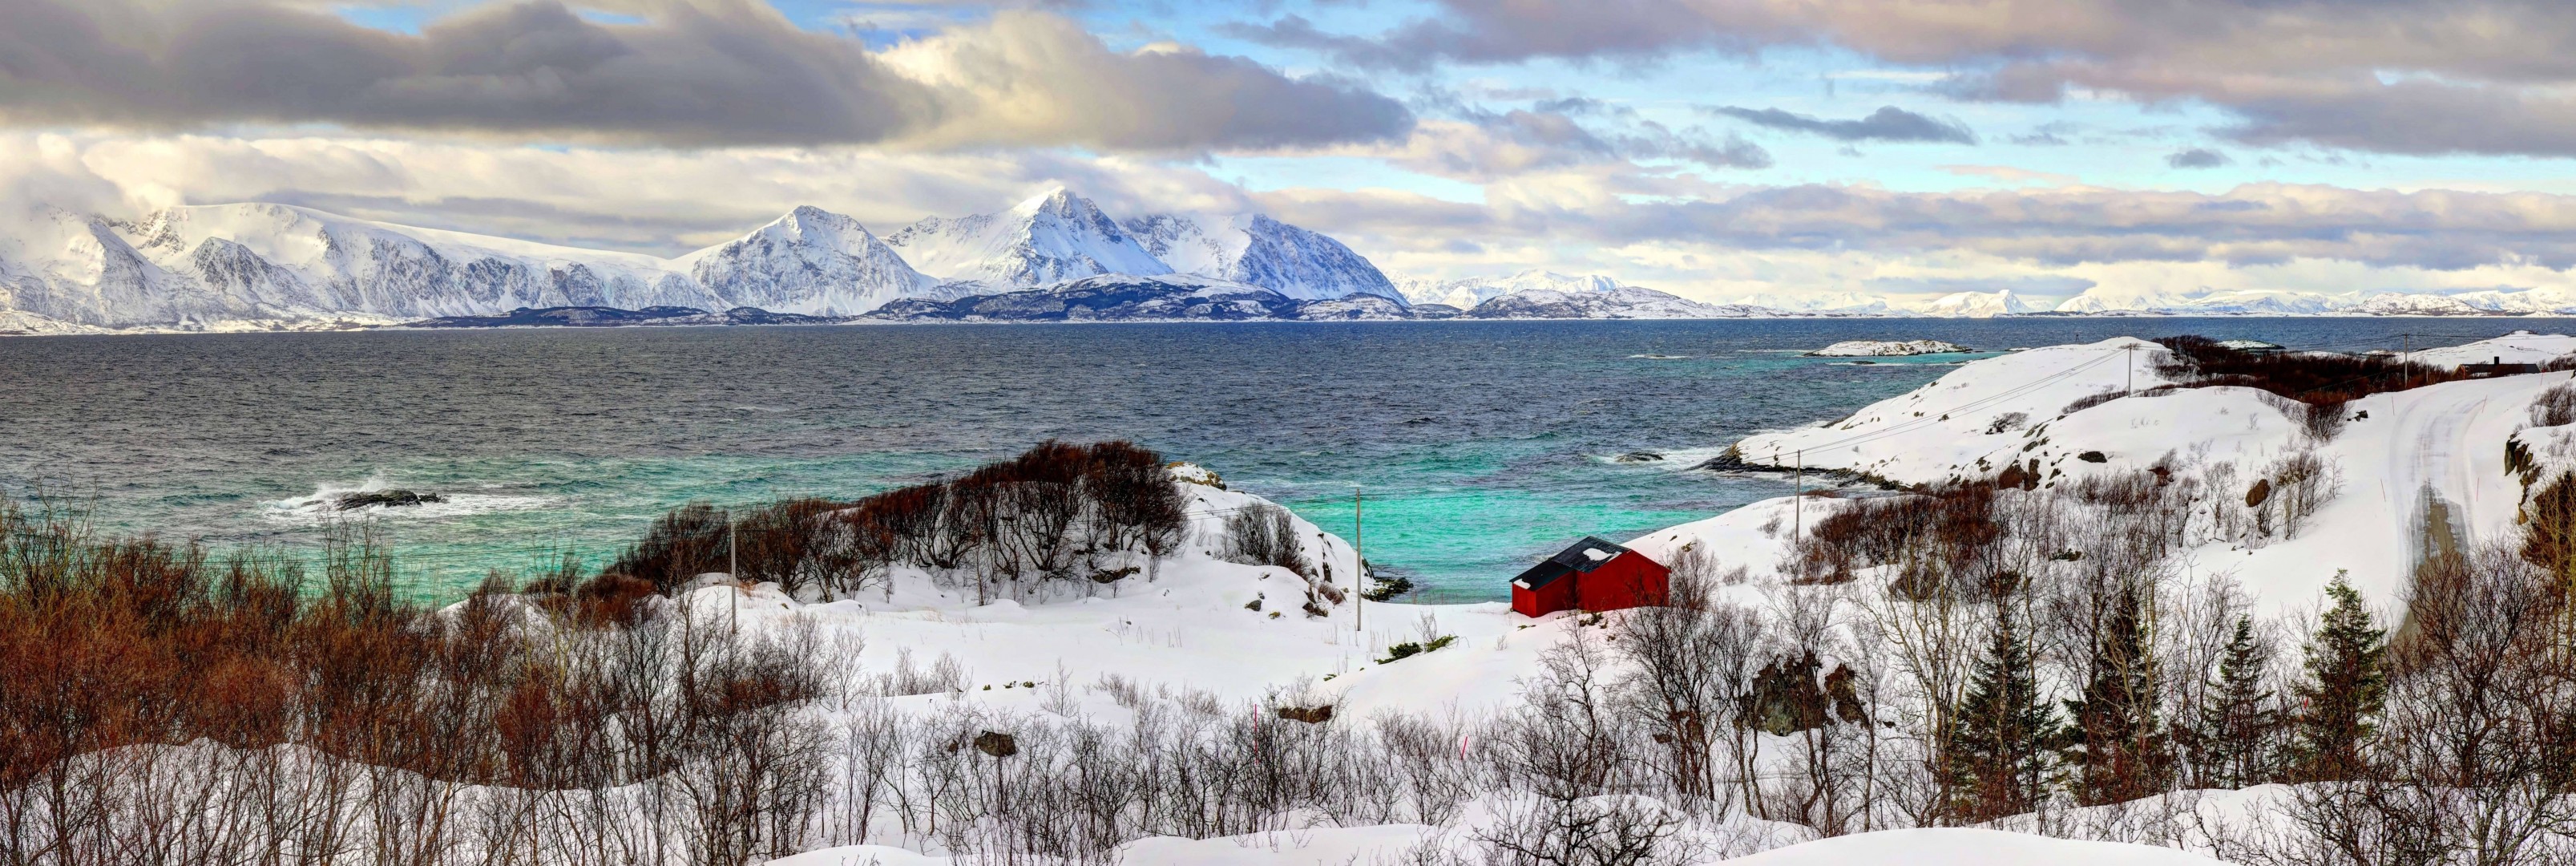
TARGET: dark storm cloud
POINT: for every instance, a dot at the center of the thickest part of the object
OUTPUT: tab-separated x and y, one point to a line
711	72
1888	123
2198	157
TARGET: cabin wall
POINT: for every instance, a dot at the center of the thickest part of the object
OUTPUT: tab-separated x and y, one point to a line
1556	596
1630	580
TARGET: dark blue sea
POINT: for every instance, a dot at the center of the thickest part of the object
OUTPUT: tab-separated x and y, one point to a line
1477	445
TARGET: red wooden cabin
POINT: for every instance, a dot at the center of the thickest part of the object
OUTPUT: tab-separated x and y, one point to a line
1592	575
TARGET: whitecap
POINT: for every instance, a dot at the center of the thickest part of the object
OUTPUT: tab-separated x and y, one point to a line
322	505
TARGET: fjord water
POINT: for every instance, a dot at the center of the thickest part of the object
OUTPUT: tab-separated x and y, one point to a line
1477	444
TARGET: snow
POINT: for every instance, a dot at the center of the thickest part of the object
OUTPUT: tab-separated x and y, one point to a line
2434	447
1621	302
1939	431
1257	250
1886	348
2519	347
1048	238
1978	305
810	261
1964	846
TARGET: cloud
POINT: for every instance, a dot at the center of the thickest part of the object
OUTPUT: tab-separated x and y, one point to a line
1670	230
2401	76
1888	123
2198	157
639	199
1487	147
705	73
2259	224
2010	174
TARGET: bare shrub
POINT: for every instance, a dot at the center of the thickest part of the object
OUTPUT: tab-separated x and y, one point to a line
2302	482
2555	407
1266	535
2091	400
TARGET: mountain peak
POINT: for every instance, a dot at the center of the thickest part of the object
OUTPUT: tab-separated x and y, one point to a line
1056	201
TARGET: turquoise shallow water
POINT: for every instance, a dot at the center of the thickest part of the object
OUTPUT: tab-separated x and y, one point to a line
1478	445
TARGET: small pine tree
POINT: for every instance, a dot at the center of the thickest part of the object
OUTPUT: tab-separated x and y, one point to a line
2347	680
2118	746
1998	756
2237	719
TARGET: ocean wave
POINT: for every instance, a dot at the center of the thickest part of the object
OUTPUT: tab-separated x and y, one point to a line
1661	357
323	505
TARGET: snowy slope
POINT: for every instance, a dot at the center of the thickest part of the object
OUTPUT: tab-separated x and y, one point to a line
2438	448
1938	431
1051	237
2519	347
307	261
72	270
1962	846
1257	250
810	261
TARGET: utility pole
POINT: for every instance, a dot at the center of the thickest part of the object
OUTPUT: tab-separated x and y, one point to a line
2132	363
1359	563
733	569
1798	504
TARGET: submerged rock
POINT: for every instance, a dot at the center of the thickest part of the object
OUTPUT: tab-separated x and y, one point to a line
1638	457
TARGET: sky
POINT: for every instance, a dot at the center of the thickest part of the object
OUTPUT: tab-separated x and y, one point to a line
1775	151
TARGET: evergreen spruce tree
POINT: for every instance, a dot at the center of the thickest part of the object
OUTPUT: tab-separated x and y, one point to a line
1998	756
2237	718
2118	745
2347	680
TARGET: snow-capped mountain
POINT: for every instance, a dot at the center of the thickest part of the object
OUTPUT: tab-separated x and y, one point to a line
811	261
2393	304
1977	305
1254	249
1622	302
2104	299
224	266
1050	238
294	261
1465	294
60	269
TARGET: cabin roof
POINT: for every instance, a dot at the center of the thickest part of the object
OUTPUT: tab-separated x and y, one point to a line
1583	556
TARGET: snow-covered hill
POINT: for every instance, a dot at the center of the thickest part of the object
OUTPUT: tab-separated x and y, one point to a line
1254	249
1048	238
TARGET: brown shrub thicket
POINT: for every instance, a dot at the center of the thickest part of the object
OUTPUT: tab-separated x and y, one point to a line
2319	378
162	705
1057	512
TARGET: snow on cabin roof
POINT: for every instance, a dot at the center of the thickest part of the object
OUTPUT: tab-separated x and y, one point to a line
1584	556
